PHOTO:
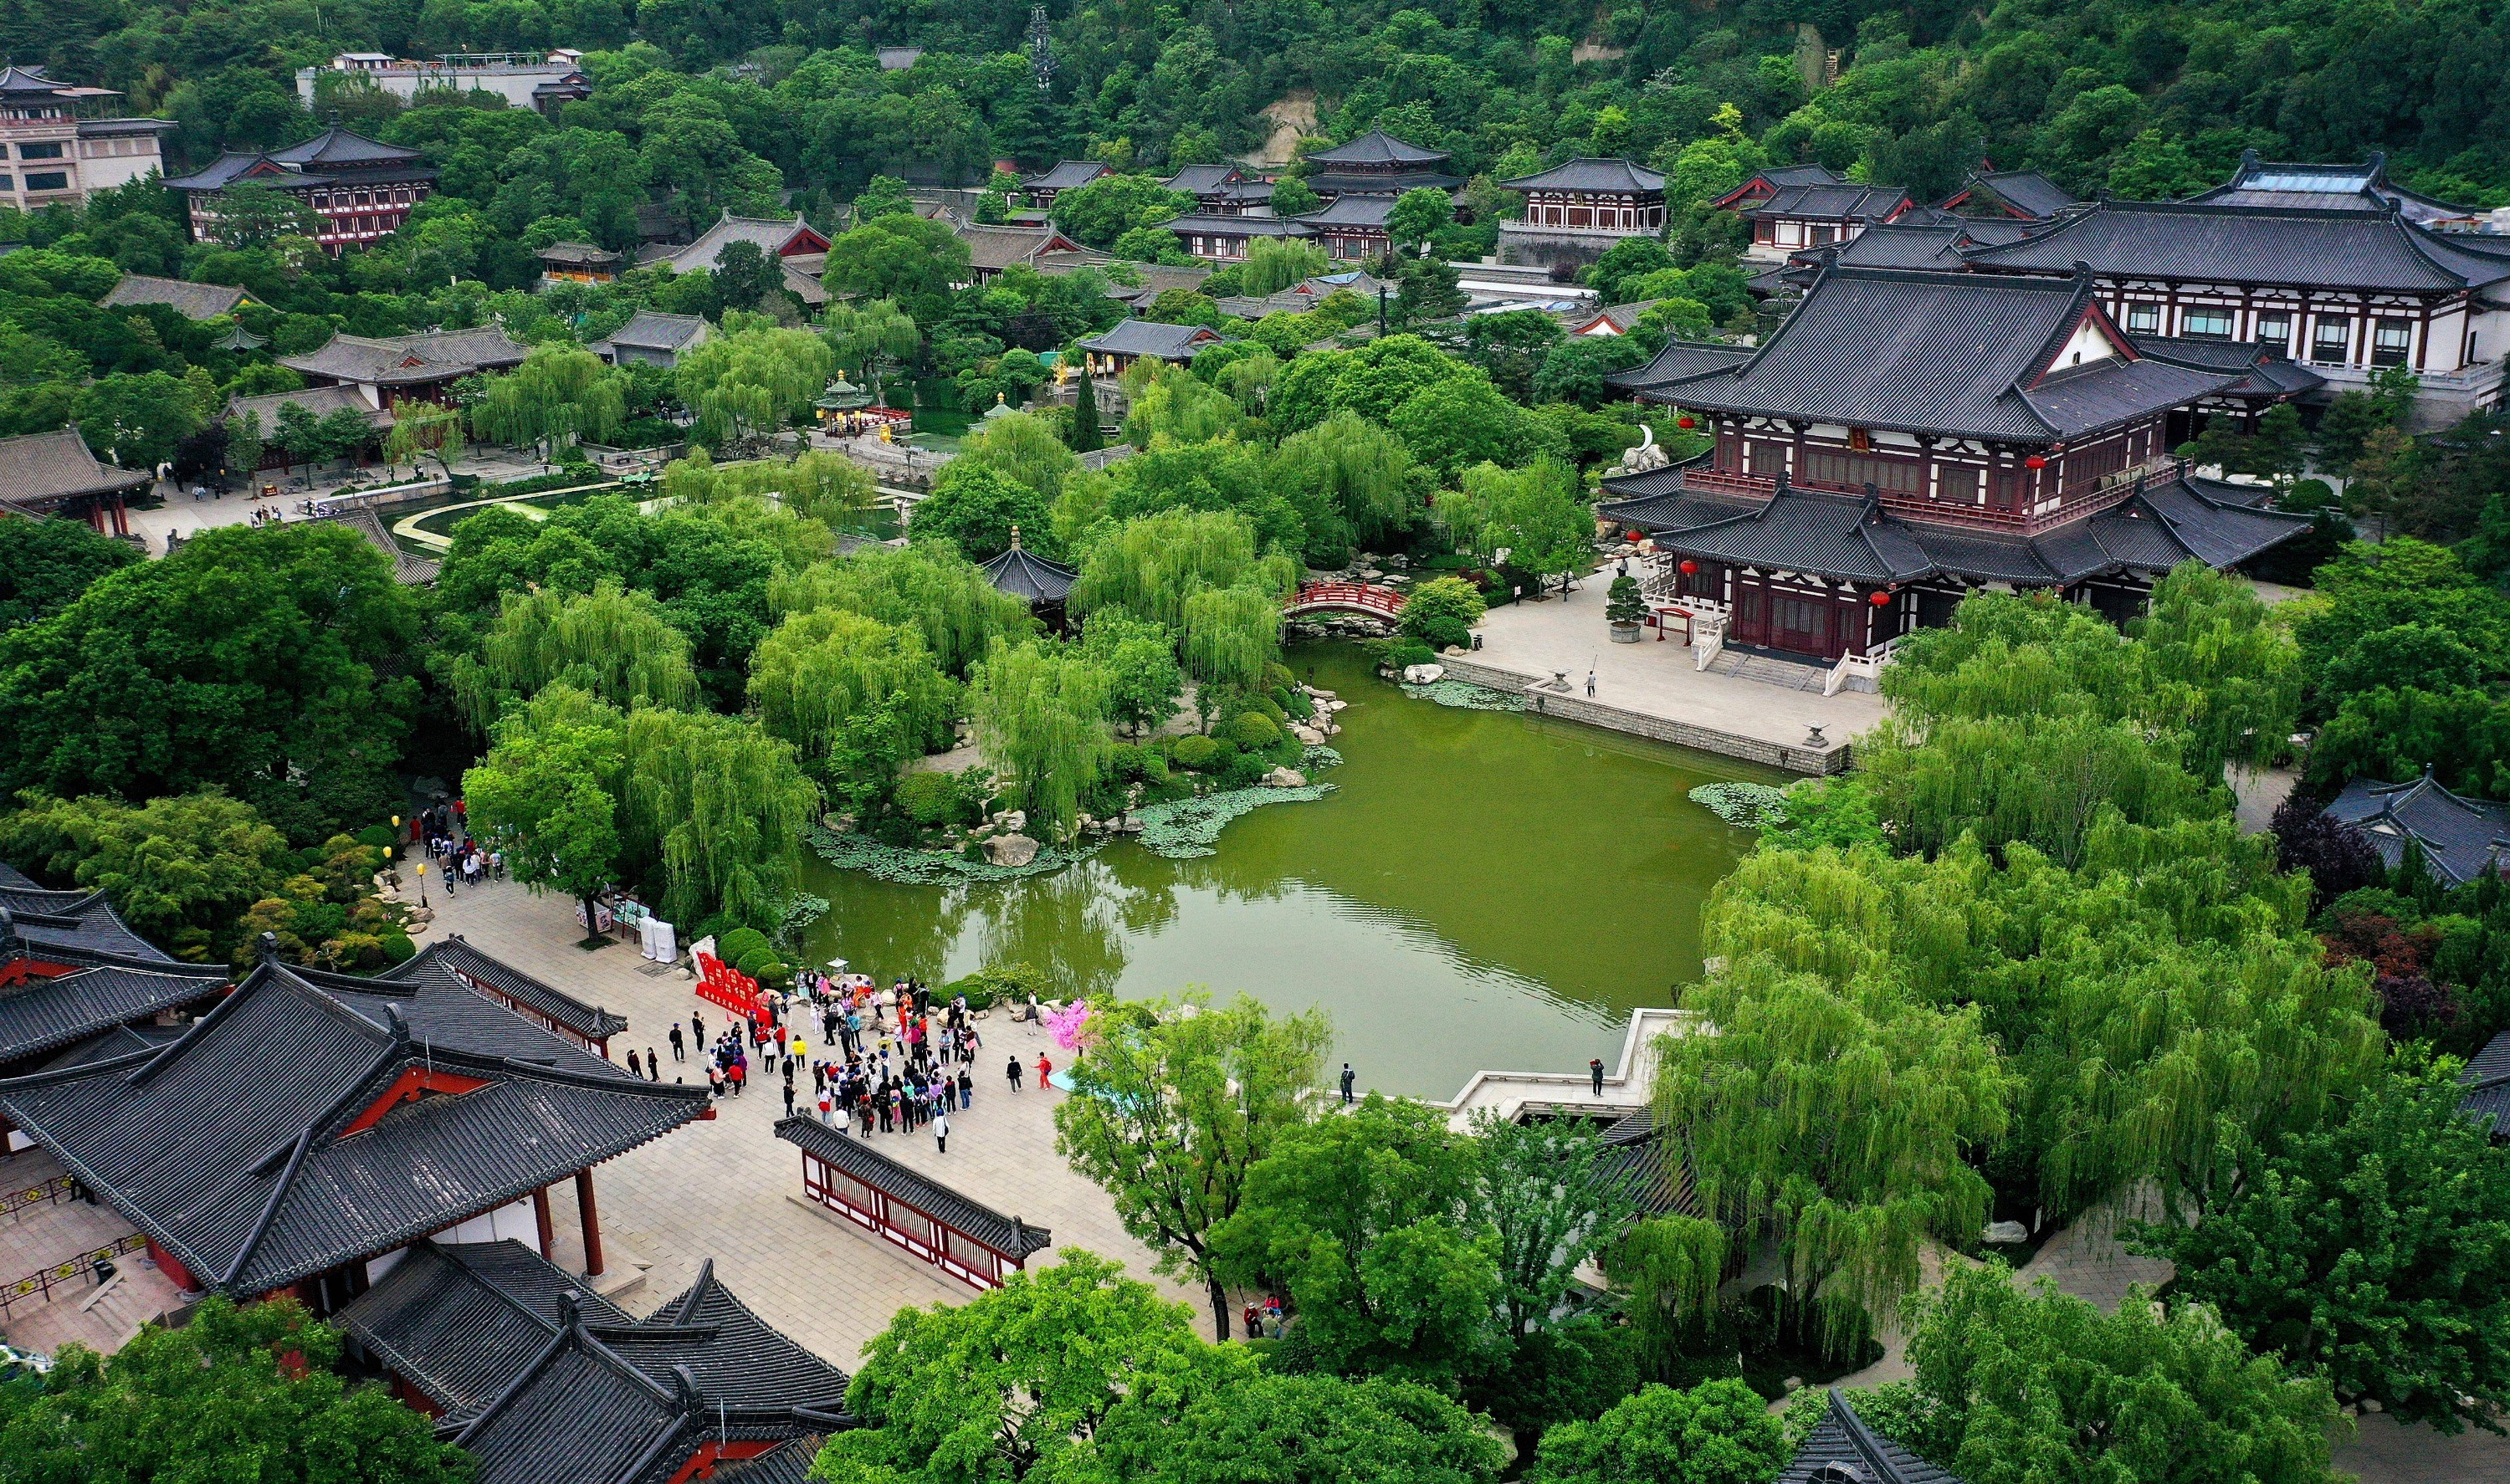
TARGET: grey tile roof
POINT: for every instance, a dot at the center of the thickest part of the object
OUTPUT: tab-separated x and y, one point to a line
319	401
997	247
1147	338
526	1367
1679	361
1067	175
1024	574
1204	179
2272	183
193	301
1367	212
2218	243
41	470
395	359
1377	147
231	1146
1845	538
407	569
1587	173
1845	201
1006	1234
653	329
2487	1080
2264	370
451	960
2461	837
335	154
76	921
1657	1179
337	148
578	255
2026	191
43	1015
1957	355
1213	224
1843	1450
770	235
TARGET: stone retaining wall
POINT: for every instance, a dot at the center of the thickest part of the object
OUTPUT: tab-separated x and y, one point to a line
1816	762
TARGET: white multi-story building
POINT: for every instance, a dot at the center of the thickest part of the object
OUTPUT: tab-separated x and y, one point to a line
523	79
65	142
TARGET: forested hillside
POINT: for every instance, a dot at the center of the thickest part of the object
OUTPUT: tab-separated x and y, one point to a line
2136	95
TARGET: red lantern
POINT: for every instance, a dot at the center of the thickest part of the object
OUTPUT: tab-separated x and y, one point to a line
1686	420
1881	599
2036	461
1689	566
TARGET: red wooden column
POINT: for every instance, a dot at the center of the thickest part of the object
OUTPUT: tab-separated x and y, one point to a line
540	1218
590	1218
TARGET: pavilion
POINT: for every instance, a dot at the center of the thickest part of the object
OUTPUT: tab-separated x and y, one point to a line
1844	1449
543	1382
54	473
1041	584
300	1136
965	1239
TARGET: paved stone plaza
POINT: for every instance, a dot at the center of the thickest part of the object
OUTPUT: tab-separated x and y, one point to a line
729	1189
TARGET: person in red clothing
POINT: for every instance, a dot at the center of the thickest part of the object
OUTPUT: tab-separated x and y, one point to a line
1045	1069
736	1075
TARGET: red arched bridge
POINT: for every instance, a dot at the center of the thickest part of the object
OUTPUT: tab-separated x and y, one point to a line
1345	597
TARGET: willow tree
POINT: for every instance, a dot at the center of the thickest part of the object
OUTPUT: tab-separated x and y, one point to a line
559	394
420	431
1023	449
548	793
614	644
1045	717
1668	1269
1836	1122
1360	468
752	379
721	804
1149	566
1173	406
927	588
875	335
1229	635
817	670
817	486
2163	1004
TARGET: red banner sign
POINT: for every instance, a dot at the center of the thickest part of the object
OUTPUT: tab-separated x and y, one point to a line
726	987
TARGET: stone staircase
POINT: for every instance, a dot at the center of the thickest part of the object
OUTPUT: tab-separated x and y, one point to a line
1746	666
101	1318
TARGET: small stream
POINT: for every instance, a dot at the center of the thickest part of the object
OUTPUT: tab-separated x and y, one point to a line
1487	890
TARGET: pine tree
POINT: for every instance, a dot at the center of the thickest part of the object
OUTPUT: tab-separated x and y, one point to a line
1085	434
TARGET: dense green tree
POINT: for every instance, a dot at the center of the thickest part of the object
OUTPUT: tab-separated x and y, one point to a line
1179	1110
1097	214
1023	449
720	807
180	870
2013	1387
1719	1432
236	1393
609	642
1416	216
1367	1221
558	393
1140	660
546	795
45	564
975	505
1275	263
1269	1429
1041	716
260	659
2374	1251
926	585
1018	1381
820	669
752	379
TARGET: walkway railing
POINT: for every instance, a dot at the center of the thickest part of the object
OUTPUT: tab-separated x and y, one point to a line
52	1191
37	1287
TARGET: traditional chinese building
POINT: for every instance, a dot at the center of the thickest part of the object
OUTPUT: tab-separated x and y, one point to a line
1766	183
359	190
1067	176
799	249
1815	215
1843	1448
541	1381
1111	351
303	1135
70	971
2458	839
1903	437
577	263
1221	190
2260	182
993	248
1033	579
1575	212
193	301
2019	195
63	144
2352	290
651	337
539	81
1225	239
55	474
391	370
1351	227
1377	163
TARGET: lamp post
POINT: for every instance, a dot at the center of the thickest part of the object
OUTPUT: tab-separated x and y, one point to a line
422	882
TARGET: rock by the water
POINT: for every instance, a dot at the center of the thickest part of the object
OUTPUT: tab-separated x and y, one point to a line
1285	778
2004	1233
1307	733
1010	850
1422	674
1013	822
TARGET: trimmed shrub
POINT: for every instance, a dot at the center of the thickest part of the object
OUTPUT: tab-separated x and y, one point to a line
1245	769
1254	731
377	837
1197	752
934	798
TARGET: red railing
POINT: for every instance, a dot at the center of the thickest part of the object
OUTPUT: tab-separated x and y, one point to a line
1362	598
1720	481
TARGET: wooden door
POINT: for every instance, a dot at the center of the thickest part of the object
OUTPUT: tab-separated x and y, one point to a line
1801	625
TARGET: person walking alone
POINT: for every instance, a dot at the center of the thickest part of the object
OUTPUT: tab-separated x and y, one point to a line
1013	1072
942	1133
679	1049
1347	1080
653	1066
1595	1074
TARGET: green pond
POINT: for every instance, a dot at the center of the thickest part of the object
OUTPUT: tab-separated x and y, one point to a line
1486	890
